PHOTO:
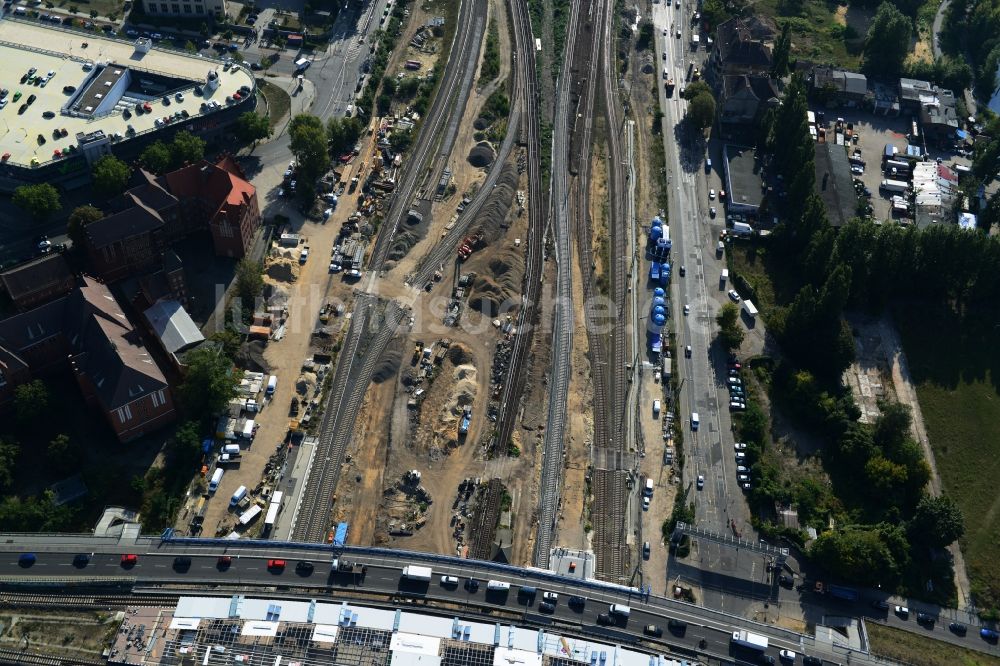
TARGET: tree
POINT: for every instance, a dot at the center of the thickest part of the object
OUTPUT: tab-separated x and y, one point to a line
343	133
730	333
861	554
186	148
190	47
249	283
309	144
695	88
78	220
62	455
207	386
156	157
254	127
701	111
9	451
937	522
888	41
110	175
31	400
401	140
34	514
782	51
39	201
644	41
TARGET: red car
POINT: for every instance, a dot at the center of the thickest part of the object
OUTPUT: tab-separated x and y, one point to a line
224	562
147	108
129	560
276	565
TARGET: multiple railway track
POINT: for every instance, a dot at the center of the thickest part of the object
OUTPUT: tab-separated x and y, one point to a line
84	601
485	519
371	329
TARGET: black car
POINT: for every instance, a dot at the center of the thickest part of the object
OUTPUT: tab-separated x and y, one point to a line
471	584
69	89
81	560
785	580
182	563
576	602
684	270
24	107
677	626
652	630
166	101
24	77
926	618
304	567
126	114
958	628
812	661
49	114
31	99
546	607
605	619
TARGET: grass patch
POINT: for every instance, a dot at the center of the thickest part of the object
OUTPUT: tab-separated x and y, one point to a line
278	101
960	402
817	35
913	648
758	276
560	19
491	55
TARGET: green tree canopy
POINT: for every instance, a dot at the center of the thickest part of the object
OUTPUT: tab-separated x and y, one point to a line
253	127
249	283
343	133
156	157
31	400
80	218
730	332
110	175
9	452
782	51
39	201
867	555
34	514
309	145
937	522
888	41
186	148
207	387
701	110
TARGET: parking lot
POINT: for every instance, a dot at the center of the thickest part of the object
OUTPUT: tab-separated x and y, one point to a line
874	133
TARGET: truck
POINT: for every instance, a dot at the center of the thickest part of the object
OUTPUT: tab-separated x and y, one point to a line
742	229
340	536
413	572
719	249
723	277
670	83
304	255
750	309
894	186
744	638
345	566
695	41
654	271
302	64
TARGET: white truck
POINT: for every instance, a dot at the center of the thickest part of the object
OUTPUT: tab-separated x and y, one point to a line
723	277
750	309
413	572
890	185
744	638
742	229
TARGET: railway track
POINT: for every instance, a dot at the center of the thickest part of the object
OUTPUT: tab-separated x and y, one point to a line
513	389
485	519
348	390
9	656
437	124
84	600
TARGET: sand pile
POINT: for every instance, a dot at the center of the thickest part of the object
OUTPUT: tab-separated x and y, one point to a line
283	270
305	384
462	393
389	362
458	354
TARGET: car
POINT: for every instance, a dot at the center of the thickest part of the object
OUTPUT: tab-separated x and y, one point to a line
129	560
786	655
22	109
179	97
734	296
740	446
605	619
546	607
683	270
711	211
812	661
990	635
31	99
26	560
645	504
740	456
677	626
293	185
41	140
652	630
182	562
737	406
687	351
958	628
17	95
857	168
256	66
288	173
901	611
304	567
576	602
926	619
198	91
3	102
51	73
471	584
550	596
742	477
645	550
678	33
449	581
664	32
224	562
166	101
701	481
281	192
880	604
711	194
49	114
742	469
785	580
276	565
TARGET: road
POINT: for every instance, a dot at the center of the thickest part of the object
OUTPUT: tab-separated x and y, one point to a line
155	566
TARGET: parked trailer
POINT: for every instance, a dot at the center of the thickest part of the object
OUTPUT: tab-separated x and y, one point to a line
750	309
894	186
250	514
498	585
746	639
413	572
723	277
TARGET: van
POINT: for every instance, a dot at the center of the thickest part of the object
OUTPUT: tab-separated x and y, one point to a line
708	165
213	485
719	249
498	585
649	487
272	383
231	449
20	11
694	421
656	408
528	591
962	170
238	496
620	610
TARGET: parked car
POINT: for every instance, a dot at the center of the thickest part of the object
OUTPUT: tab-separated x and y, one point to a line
276	565
546	607
880	604
958	628
734	296
182	562
786	655
902	611
701	481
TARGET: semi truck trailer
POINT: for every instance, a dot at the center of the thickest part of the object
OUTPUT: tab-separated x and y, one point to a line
744	638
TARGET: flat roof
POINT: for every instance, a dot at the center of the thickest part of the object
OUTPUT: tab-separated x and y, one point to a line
834	183
742	178
51	48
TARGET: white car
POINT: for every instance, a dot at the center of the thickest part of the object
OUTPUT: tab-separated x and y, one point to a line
449	580
743	477
734	296
741	456
701	481
678	4
740	446
711	211
711	194
550	596
327	213
687	351
52	73
786	655
687	309
645	504
902	611
678	33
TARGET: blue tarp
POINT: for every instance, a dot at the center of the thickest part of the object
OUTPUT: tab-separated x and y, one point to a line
340	536
961	134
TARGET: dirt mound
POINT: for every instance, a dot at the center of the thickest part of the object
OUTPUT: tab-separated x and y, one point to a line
251	357
497	288
492	218
404	240
458	354
283	270
305	384
388	363
461	394
481	155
